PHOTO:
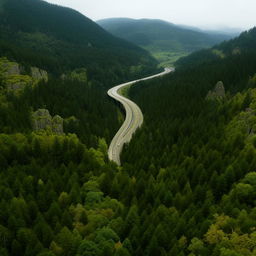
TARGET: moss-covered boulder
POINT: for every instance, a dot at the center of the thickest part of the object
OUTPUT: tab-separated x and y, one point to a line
217	93
17	82
8	68
11	77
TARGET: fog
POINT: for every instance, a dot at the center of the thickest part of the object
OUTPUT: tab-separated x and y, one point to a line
207	14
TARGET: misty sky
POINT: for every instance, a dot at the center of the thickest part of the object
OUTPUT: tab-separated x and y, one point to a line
201	13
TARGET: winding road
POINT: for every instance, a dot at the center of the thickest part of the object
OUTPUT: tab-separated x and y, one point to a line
133	119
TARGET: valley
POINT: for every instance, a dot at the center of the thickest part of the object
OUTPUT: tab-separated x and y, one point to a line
167	42
163	165
133	119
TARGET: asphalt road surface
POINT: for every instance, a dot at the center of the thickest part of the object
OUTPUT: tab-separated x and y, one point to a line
133	119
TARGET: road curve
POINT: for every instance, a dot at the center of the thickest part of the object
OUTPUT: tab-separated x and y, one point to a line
133	119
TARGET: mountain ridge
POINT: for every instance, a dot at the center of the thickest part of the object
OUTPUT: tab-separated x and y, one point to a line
61	39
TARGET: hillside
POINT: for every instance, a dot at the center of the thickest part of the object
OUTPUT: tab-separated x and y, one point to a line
242	46
187	183
166	41
54	169
199	134
60	39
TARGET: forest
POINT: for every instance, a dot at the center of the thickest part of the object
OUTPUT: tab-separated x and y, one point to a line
60	40
200	177
187	183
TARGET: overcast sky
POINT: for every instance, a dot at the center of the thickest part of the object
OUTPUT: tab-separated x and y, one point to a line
201	13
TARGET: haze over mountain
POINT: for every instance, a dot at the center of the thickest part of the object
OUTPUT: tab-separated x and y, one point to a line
224	30
206	14
241	46
166	41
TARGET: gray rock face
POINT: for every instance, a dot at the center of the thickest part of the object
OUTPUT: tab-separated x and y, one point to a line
57	124
42	120
219	89
217	93
39	74
12	77
11	68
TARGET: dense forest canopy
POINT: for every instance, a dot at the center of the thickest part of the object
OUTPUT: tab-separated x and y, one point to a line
194	159
188	183
60	39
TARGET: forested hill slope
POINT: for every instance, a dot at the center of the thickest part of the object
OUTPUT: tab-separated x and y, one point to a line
160	34
59	39
196	194
241	46
161	38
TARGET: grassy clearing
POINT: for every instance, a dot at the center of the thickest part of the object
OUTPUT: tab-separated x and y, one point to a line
167	59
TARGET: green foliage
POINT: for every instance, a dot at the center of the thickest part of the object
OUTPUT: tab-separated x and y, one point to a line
196	246
122	252
187	185
65	41
40	209
85	109
80	75
106	234
195	158
88	248
238	48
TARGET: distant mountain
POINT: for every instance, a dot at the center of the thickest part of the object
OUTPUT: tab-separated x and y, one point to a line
59	39
161	37
226	31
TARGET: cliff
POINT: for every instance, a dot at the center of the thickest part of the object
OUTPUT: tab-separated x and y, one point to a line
42	120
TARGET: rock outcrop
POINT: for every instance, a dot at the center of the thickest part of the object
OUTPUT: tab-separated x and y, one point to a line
236	51
10	74
217	93
42	120
57	124
13	76
39	74
11	68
